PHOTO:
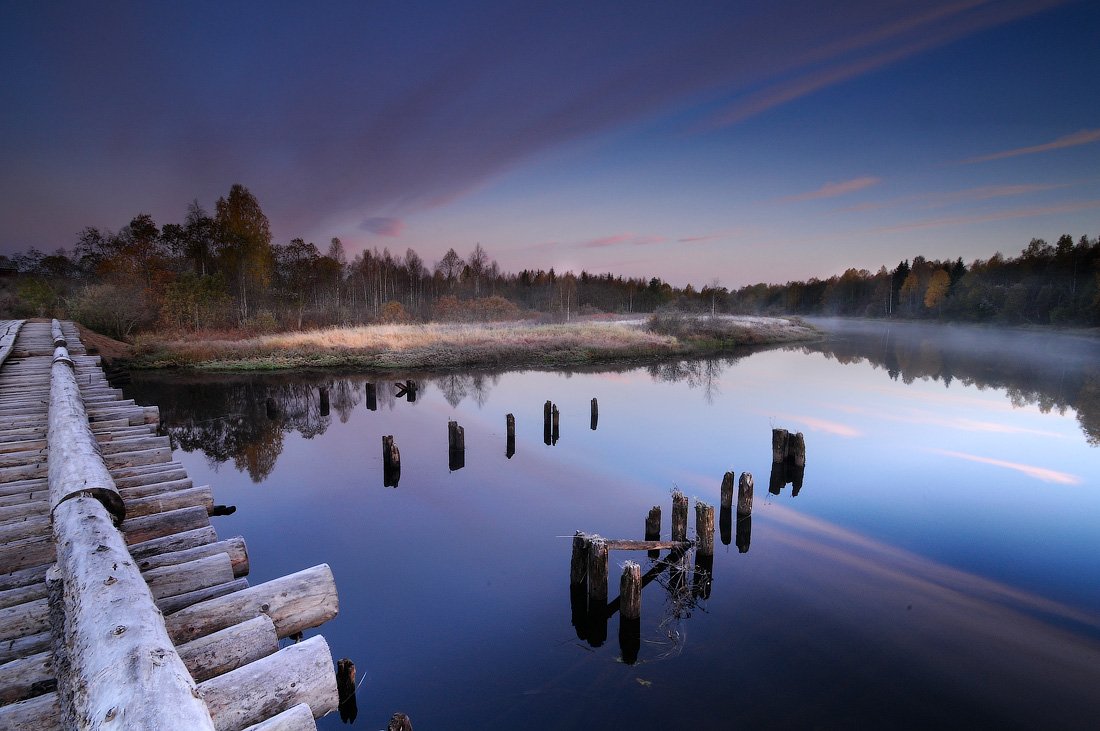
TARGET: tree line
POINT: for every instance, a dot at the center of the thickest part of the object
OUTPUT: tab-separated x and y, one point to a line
224	271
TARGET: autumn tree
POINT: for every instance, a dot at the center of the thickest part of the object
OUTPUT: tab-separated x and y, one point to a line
244	237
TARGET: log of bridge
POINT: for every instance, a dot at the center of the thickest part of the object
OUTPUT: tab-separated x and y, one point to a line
182	578
230	648
234	547
295	718
679	516
41	713
26	677
299	673
295	603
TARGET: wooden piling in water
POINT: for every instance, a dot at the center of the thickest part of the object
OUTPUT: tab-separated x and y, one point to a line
391	462
796	450
744	533
372	397
456	446
727	490
679	516
595	414
547	430
630	591
744	494
510	442
597	570
578	564
399	722
779	445
704	528
653	528
554	427
725	524
345	687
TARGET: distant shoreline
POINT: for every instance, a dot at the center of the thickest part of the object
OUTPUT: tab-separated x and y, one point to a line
407	347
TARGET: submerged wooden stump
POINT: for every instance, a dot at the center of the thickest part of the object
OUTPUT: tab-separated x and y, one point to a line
744	494
679	516
510	445
345	686
653	528
595	415
727	490
704	528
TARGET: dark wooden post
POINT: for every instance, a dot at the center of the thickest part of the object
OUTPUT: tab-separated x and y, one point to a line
597	591
510	425
727	490
796	450
410	391
595	414
578	564
679	516
653	528
272	407
372	397
391	462
630	612
578	589
324	400
554	417
547	432
778	477
345	687
456	446
744	494
399	722
704	528
744	533
779	445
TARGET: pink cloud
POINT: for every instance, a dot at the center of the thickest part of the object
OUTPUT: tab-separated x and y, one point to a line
1083	137
629	239
987	217
383	226
832	190
937	200
1039	473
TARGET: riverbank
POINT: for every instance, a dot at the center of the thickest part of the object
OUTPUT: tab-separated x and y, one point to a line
402	347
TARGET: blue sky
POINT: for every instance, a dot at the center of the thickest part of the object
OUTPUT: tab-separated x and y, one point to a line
746	141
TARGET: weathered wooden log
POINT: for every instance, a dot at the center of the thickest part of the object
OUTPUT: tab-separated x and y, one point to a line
779	445
595	415
157	474
744	494
234	548
23	577
727	490
626	544
25	528
295	603
345	687
185	577
41	713
653	528
554	417
295	718
399	722
164	502
777	480
630	591
158	525
172	543
597	570
28	552
510	441
679	516
578	563
230	648
796	450
129	494
22	594
704	528
25	646
23	620
299	673
123	665
27	677
172	604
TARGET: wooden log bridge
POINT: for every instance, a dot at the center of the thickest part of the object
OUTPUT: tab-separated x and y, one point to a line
119	606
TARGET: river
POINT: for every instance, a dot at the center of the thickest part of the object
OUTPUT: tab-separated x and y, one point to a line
939	565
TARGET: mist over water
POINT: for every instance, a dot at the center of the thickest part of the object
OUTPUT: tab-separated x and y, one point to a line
936	567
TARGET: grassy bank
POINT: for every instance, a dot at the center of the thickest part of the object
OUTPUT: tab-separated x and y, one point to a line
450	346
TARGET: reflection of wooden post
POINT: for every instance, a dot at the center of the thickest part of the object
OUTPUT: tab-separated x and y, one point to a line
679	516
399	722
778	478
554	418
727	490
704	575
324	401
630	591
372	397
272	409
744	494
510	424
345	686
779	445
595	414
797	474
391	462
704	528
456	436
796	450
725	524
547	433
744	533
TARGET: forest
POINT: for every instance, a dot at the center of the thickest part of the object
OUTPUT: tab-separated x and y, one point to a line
223	272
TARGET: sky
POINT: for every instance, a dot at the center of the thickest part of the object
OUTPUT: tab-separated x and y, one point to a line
738	141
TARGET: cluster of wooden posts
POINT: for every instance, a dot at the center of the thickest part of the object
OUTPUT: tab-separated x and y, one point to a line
788	461
589	572
456	437
119	605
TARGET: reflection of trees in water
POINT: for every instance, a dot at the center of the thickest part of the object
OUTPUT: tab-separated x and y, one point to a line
1049	371
456	387
700	373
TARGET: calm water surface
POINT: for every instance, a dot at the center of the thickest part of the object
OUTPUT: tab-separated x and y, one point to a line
939	566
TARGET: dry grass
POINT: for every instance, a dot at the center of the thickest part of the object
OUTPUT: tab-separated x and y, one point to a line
441	346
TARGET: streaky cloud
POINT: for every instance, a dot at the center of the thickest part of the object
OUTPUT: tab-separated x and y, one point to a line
1039	473
994	216
383	226
1082	137
833	190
